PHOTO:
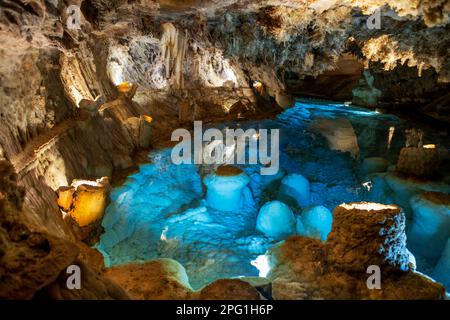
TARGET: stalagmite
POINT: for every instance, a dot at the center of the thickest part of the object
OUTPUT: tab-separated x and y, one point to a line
294	190
225	188
315	222
276	220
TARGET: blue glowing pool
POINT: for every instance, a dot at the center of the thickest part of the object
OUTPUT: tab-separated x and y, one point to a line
161	211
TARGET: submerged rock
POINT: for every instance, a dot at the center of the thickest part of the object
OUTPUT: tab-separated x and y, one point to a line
401	189
442	270
276	220
295	190
225	188
430	226
339	133
373	165
315	222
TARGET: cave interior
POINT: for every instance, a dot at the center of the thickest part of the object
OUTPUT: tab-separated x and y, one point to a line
224	149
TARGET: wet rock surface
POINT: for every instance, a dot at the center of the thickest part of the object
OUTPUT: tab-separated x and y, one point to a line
77	103
304	268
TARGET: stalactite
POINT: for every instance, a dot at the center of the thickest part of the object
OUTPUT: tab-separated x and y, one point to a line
173	48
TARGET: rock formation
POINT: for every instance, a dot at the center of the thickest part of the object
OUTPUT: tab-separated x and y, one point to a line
363	235
33	263
87	84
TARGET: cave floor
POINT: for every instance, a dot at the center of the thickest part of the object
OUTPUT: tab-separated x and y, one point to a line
160	211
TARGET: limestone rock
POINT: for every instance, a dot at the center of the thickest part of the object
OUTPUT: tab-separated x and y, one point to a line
225	188
31	260
65	197
159	279
367	234
339	133
275	219
440	272
430	226
93	286
373	165
229	289
362	235
303	270
294	190
315	222
418	162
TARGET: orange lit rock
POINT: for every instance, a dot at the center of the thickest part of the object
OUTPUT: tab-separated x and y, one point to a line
84	201
65	197
259	87
89	202
124	87
147	118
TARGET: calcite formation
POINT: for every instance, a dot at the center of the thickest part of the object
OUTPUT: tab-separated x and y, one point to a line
166	279
419	162
375	233
83	205
430	226
364	234
315	222
80	98
226	188
295	190
89	200
275	219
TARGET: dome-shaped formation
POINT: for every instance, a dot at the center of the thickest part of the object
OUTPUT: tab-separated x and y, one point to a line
276	220
315	222
295	190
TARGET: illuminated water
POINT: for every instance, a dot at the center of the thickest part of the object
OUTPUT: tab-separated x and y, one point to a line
161	212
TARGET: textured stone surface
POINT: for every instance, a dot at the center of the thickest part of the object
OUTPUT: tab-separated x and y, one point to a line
155	280
29	259
365	234
94	286
304	268
229	289
419	162
33	263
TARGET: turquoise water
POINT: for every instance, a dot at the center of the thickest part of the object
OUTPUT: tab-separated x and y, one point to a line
160	211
